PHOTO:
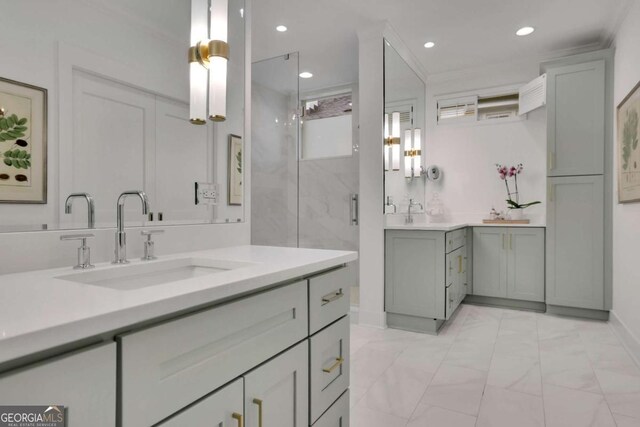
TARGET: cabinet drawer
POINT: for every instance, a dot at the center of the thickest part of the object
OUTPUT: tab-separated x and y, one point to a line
454	298
329	296
329	364
455	239
222	408
167	367
84	382
337	415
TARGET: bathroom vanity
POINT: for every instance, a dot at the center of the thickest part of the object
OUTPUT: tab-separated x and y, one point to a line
431	268
253	336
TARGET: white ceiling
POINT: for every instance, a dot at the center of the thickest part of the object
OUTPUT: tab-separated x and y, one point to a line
468	33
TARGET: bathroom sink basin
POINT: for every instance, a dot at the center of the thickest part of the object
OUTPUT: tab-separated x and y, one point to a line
138	276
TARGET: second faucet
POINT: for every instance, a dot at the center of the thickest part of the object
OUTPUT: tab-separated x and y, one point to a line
121	236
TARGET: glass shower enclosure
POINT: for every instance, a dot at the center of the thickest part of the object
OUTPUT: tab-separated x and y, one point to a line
304	161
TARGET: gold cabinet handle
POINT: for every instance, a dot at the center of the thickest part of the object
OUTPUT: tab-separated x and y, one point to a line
339	361
333	296
259	403
551	192
238	417
459	263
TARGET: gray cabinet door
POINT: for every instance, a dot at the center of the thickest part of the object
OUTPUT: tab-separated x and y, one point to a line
84	382
575	119
525	270
575	238
414	273
277	393
490	261
222	408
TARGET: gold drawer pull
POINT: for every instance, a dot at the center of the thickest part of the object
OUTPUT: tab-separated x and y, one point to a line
336	365
333	296
237	417
259	403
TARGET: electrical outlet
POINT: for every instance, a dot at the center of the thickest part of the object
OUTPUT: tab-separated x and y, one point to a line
206	193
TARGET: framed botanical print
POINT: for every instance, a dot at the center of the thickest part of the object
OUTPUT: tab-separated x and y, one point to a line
628	132
23	143
235	171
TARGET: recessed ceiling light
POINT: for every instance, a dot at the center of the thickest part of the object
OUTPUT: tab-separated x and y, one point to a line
306	75
525	31
281	28
429	45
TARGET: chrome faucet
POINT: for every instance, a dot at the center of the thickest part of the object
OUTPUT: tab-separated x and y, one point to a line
121	236
409	219
91	207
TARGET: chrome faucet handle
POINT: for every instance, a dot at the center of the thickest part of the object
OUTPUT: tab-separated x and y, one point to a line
84	251
149	245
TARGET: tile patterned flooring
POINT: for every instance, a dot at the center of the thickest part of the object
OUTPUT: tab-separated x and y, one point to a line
494	367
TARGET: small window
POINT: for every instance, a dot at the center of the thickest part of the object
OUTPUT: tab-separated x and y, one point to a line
326	127
457	110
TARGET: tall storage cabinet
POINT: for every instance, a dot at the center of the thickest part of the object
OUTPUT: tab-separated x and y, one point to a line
575	119
579	171
575	232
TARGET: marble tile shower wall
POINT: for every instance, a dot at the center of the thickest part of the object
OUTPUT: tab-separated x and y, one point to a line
274	188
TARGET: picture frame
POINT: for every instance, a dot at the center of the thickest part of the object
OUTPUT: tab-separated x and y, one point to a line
627	138
23	143
235	174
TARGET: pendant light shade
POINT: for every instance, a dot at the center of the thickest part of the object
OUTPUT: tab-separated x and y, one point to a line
208	57
198	74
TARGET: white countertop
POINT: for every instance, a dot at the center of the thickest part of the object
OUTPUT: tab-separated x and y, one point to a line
450	226
39	311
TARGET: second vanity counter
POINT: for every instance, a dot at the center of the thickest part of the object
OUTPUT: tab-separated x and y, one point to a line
45	309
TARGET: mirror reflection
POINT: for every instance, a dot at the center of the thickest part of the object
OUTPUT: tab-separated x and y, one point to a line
87	116
404	115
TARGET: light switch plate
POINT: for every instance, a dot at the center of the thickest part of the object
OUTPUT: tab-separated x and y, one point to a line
206	193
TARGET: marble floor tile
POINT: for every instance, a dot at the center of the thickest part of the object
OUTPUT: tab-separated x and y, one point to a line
506	408
622	392
425	356
433	416
516	374
550	327
494	367
480	332
469	354
517	346
572	371
368	365
624	421
398	390
455	388
363	416
519	326
565	407
568	345
355	395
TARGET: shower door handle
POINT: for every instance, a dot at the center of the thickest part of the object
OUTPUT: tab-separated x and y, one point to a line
355	214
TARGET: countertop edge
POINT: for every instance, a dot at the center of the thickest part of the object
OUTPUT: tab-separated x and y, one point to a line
47	339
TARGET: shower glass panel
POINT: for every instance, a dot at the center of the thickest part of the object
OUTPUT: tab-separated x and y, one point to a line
303	192
274	151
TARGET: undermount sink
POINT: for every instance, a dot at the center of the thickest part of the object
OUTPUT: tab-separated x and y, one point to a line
138	276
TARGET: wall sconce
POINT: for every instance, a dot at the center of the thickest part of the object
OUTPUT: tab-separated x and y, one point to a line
412	153
208	57
392	142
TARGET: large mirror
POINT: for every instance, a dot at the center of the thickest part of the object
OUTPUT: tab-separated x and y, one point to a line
96	100
404	115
